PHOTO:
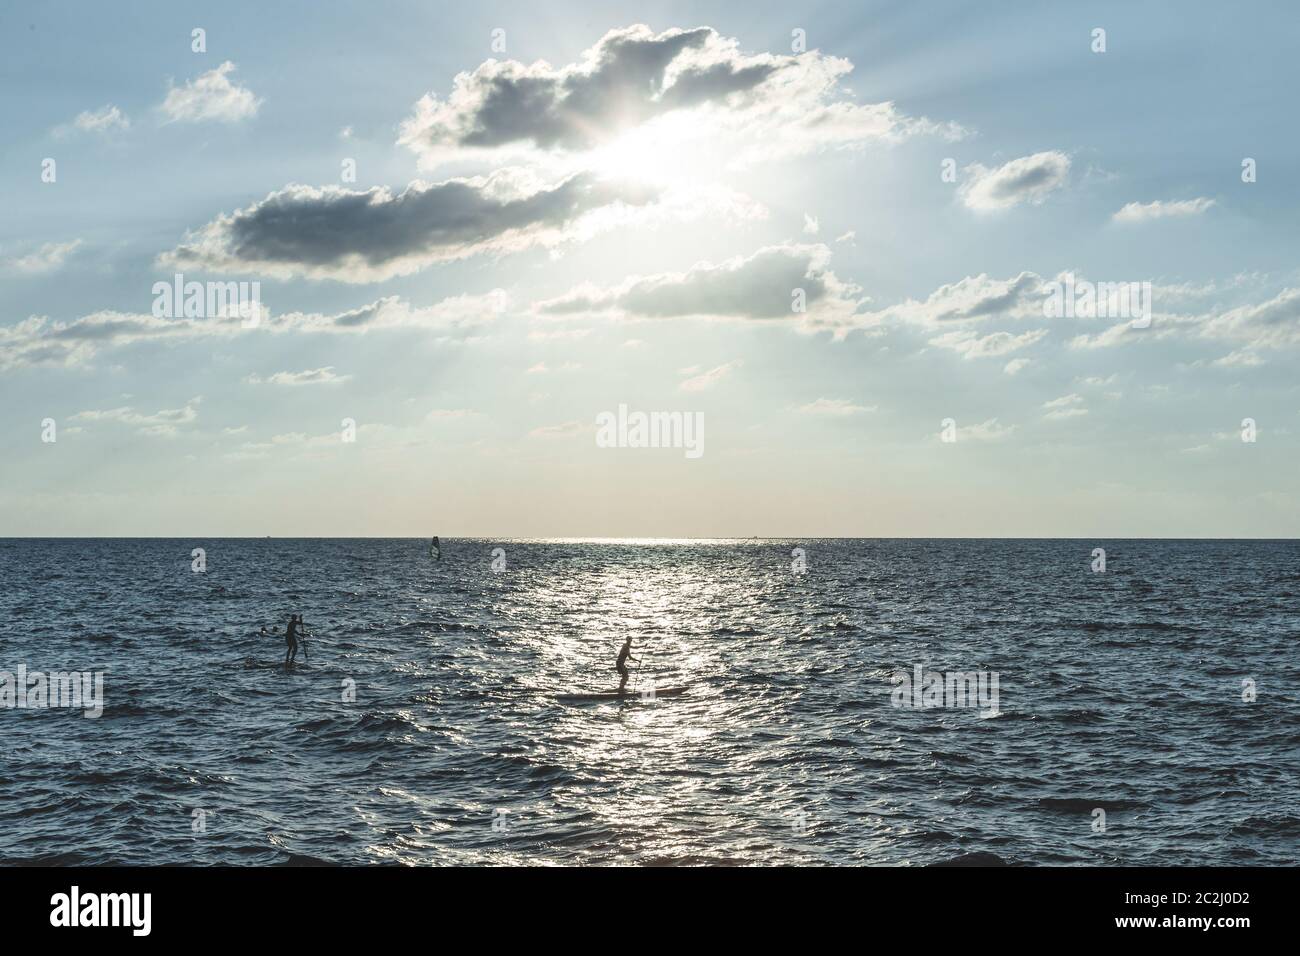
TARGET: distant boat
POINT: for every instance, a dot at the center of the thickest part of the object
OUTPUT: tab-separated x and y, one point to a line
435	549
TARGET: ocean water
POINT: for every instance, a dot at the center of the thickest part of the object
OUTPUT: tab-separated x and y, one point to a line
1120	692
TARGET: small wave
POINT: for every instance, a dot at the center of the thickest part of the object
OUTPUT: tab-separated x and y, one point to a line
1081	805
978	858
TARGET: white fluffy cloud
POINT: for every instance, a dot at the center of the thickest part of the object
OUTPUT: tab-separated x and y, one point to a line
758	287
1135	212
47	258
106	119
1027	179
210	97
633	77
972	300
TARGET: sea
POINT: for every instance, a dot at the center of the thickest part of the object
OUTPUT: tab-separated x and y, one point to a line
1115	702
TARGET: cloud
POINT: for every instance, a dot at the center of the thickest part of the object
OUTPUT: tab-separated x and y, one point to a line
835	407
39	341
1239	359
1014	366
315	376
163	423
1271	324
211	96
565	430
1274	323
988	430
633	77
541	368
106	119
1067	406
971	300
1120	333
371	235
973	345
759	287
1145	212
707	380
47	258
551	335
1027	179
810	224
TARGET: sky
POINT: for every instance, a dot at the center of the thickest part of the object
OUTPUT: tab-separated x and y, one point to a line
828	234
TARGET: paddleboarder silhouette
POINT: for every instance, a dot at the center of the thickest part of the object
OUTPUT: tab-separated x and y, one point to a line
624	656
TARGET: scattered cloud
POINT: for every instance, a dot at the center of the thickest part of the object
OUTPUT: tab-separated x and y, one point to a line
990	430
1014	366
1067	406
758	287
1097	381
315	376
372	235
810	225
39	341
1145	212
971	344
550	335
633	78
1029	179
706	380
164	424
1239	359
541	368
210	97
1274	323
47	258
565	430
106	119
835	407
971	300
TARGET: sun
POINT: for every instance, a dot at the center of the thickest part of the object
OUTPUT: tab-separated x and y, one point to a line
667	151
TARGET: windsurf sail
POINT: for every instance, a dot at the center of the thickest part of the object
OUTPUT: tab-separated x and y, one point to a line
435	549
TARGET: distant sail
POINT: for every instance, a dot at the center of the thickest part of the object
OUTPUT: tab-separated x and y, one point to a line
435	549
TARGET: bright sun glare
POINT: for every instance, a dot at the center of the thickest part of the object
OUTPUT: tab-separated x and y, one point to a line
668	151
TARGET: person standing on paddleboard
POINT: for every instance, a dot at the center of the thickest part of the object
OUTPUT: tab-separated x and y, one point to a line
291	639
624	656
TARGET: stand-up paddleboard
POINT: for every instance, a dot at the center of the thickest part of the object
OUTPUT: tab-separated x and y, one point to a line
628	695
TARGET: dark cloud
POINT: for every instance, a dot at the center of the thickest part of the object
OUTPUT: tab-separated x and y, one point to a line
371	235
